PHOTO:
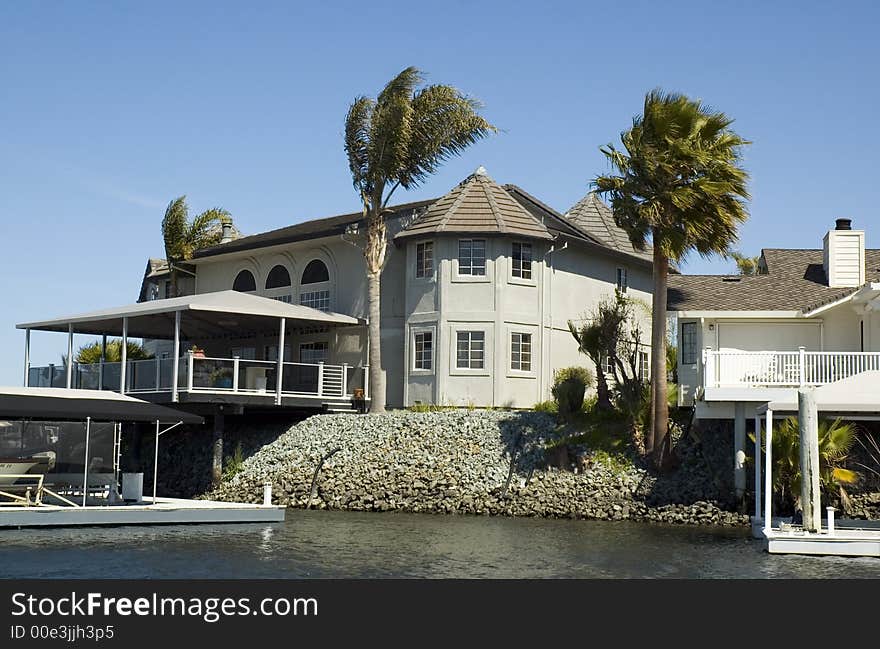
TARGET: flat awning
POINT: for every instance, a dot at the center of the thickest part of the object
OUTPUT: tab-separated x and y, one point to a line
858	394
203	315
100	405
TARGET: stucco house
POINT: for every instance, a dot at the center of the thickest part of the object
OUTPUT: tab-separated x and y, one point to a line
808	317
477	290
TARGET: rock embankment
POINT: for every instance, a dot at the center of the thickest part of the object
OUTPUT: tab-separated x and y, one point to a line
460	462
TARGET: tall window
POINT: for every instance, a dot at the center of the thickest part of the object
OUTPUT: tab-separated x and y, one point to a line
522	260
644	366
621	280
472	257
470	350
425	259
244	282
168	289
313	352
315	290
423	350
521	352
688	343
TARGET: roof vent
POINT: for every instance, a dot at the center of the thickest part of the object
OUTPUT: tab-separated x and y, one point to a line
731	278
843	224
481	171
227	232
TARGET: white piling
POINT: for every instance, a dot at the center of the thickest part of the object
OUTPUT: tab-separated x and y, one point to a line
267	493
830	525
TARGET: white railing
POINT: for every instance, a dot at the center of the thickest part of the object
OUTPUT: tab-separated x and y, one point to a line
212	375
723	369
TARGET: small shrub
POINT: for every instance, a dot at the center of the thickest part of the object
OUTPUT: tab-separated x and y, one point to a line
233	463
546	406
569	386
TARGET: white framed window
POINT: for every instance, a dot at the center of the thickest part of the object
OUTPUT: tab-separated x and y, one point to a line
521	260
313	352
521	351
423	350
472	257
621	280
315	299
425	259
287	299
470	350
244	282
607	366
688	343
644	366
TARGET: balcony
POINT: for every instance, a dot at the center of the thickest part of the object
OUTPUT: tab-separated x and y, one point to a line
728	375
212	376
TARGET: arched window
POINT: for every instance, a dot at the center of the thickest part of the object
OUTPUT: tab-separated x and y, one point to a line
278	277
244	282
315	272
315	286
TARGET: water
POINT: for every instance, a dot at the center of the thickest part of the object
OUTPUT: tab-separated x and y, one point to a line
318	544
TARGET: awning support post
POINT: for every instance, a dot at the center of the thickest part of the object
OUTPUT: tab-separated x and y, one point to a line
280	362
123	355
27	357
156	456
175	363
86	461
768	473
757	467
69	355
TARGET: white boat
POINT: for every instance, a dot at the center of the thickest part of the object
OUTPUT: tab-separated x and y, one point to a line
37	464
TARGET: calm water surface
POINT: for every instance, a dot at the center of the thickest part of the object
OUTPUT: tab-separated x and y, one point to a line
317	544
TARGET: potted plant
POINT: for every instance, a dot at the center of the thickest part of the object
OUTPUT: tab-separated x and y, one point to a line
197	351
222	377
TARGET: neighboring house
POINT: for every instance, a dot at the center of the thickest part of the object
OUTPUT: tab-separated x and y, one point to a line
809	317
477	291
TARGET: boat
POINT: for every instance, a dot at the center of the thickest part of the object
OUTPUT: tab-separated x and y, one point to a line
11	469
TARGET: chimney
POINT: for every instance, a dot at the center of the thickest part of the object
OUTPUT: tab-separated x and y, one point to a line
844	256
227	232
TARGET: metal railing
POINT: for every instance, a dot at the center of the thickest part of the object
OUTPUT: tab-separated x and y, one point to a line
783	369
214	375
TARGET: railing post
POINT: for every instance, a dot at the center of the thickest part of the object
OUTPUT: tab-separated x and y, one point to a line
189	370
708	368
101	373
175	363
69	367
344	379
366	382
51	375
321	379
280	377
158	373
235	364
803	365
27	357
123	355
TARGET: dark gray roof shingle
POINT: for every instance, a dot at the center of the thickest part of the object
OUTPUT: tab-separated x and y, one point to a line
795	281
594	217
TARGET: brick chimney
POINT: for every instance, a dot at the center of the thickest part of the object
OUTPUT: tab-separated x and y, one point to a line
844	256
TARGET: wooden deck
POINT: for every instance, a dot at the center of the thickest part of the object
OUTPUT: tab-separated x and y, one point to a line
166	511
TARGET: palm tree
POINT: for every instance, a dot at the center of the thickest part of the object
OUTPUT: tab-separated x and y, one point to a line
91	353
182	237
679	185
836	439
398	140
745	265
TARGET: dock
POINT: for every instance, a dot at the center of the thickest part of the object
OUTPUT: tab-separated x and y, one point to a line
165	511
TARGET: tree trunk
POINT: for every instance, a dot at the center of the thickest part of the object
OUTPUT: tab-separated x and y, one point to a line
377	376
217	457
603	397
656	437
173	271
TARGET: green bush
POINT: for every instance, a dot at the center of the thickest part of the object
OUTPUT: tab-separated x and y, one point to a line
569	386
546	406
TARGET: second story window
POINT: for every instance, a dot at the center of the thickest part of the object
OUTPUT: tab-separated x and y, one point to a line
644	366
168	289
688	343
315	286
621	280
244	282
472	257
521	257
521	352
425	259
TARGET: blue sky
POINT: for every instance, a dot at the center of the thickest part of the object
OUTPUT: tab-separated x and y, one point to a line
109	110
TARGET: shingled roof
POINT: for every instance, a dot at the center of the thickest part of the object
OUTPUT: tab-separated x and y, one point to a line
594	217
478	205
794	281
313	229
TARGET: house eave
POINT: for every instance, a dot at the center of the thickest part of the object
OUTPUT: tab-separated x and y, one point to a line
739	315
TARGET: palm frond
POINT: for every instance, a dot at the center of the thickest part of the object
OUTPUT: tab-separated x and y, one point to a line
357	140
